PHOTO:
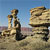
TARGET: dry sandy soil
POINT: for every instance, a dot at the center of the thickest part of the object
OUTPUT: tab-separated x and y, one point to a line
29	43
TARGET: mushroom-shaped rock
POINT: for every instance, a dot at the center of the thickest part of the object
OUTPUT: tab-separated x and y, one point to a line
40	20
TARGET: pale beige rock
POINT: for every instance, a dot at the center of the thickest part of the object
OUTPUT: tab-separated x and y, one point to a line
13	31
16	28
9	21
40	20
14	12
5	32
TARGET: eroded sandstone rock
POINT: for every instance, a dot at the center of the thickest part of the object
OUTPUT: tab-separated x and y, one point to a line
16	28
40	20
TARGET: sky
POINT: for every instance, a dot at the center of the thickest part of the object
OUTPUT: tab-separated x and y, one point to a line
23	6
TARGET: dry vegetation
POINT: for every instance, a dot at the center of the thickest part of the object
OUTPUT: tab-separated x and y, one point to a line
29	43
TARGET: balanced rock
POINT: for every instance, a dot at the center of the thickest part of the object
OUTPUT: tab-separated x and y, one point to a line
40	20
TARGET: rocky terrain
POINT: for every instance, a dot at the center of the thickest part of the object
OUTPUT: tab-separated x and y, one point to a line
40	20
29	43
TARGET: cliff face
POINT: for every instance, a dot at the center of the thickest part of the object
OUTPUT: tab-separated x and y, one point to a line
40	16
40	20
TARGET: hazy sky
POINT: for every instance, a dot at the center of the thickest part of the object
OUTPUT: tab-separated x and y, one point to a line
23	6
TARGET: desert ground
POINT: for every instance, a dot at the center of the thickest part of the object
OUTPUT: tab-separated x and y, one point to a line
29	43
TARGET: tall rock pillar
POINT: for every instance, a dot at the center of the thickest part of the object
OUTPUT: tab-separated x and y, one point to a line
9	21
16	24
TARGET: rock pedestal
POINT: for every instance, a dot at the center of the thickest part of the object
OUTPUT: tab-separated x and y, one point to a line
40	20
16	29
16	23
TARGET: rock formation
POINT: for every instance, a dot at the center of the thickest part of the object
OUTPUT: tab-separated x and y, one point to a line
9	21
40	21
16	23
16	28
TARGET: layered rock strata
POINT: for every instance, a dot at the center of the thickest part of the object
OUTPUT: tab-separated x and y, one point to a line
40	21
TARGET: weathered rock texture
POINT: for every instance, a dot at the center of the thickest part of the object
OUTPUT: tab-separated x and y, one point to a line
16	23
9	21
16	29
40	20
